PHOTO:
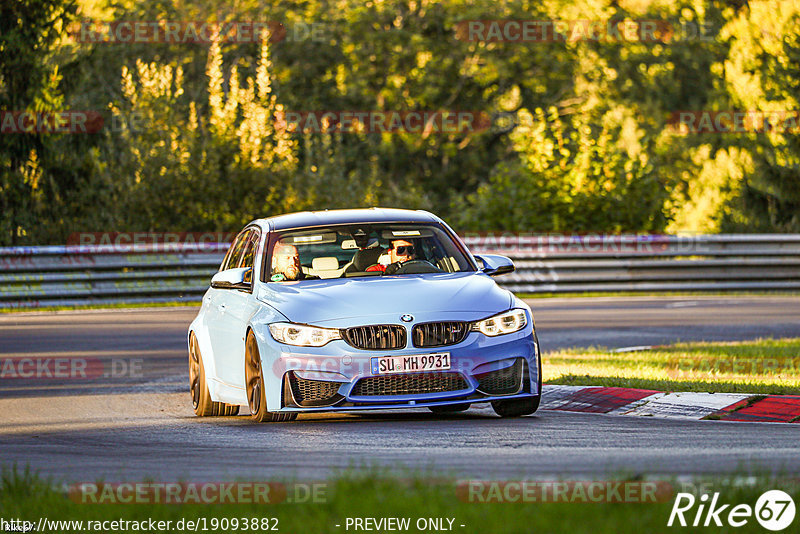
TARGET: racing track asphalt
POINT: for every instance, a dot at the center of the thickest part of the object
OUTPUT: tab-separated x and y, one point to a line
132	428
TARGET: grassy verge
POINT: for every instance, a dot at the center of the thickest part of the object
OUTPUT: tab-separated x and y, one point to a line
24	496
102	306
644	294
123	305
764	366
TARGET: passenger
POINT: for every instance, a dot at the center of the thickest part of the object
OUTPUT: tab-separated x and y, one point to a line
286	263
400	252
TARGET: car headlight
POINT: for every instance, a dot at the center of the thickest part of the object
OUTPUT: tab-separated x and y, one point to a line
302	335
502	323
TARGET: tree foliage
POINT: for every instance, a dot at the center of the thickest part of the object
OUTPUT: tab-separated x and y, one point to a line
762	73
30	174
580	140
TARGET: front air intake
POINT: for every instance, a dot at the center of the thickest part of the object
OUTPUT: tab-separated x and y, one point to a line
312	393
506	381
409	384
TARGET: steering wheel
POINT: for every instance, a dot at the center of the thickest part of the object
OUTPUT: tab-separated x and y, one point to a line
413	267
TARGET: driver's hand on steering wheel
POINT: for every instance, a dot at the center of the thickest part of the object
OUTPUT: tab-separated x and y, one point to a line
392	267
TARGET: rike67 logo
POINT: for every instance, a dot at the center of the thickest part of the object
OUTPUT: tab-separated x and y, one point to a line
774	510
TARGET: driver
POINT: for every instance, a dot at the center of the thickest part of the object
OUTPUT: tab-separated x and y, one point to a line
400	252
286	263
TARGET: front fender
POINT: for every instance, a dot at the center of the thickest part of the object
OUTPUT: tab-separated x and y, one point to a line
273	381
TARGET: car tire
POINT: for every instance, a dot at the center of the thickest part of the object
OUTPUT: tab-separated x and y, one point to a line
449	408
254	385
201	399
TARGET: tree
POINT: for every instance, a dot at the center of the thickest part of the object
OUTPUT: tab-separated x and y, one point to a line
601	158
208	165
29	81
763	75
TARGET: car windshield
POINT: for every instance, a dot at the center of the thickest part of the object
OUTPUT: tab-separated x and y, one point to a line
364	250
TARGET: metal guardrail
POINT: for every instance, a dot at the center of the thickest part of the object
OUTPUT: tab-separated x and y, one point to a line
649	263
33	277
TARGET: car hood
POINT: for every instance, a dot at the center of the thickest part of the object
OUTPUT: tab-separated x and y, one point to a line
317	301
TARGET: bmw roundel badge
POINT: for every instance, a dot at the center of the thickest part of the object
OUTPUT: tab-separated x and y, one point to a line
406	318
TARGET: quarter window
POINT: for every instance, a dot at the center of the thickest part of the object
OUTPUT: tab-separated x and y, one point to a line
249	252
234	256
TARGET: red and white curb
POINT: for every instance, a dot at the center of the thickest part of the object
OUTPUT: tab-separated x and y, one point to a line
647	402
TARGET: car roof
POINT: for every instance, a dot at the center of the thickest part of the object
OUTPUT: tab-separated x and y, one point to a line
306	219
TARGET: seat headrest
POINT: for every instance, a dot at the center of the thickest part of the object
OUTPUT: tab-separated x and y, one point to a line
366	257
325	263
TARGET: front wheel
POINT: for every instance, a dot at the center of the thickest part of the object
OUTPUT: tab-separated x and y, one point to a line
254	382
201	398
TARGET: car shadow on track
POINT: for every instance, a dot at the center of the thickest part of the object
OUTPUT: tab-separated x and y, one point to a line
369	417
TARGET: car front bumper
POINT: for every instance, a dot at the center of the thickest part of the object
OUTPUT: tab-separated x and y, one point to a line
338	377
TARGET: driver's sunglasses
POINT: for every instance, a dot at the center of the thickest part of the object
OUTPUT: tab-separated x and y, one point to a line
405	250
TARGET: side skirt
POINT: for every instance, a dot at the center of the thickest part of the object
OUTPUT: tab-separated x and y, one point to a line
222	392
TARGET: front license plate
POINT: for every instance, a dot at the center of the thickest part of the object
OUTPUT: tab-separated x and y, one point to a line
407	364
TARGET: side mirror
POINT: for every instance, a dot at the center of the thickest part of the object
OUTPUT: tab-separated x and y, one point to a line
239	278
495	265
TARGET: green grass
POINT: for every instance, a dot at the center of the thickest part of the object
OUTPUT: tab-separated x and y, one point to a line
709	294
375	494
764	366
103	306
123	305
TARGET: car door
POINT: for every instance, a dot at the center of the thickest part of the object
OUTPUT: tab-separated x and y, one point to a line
217	301
235	307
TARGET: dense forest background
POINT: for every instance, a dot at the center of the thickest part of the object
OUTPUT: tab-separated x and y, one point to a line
585	143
